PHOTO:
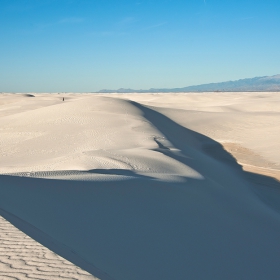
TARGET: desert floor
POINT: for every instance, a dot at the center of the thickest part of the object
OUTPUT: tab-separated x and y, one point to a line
140	186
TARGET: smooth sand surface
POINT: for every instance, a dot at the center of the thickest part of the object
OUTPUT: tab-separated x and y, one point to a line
145	186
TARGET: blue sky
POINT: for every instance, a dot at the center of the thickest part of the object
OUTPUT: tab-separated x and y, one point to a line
88	45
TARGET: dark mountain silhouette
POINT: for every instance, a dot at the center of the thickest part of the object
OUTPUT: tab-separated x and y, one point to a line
267	83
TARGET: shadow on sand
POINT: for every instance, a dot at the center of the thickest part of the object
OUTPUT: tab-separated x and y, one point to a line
186	140
222	227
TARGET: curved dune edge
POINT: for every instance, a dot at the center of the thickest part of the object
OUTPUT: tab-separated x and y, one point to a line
252	162
273	173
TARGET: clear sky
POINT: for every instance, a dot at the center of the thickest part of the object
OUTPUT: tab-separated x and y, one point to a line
88	45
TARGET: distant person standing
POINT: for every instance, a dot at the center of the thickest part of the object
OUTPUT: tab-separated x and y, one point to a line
62	98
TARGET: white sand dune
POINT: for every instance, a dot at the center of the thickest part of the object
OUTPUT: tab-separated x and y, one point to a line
153	186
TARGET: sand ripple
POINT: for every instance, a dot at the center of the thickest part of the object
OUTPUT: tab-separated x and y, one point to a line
23	258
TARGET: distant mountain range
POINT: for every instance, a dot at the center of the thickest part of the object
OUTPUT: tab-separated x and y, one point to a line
267	83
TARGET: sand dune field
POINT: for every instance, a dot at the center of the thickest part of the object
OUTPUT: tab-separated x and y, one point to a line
140	186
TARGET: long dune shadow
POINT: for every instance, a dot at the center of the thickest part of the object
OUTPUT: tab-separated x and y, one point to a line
190	142
140	228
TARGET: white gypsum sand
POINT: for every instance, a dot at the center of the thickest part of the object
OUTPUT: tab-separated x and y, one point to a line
146	186
23	258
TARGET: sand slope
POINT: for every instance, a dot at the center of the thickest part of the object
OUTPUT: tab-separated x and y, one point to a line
137	189
23	258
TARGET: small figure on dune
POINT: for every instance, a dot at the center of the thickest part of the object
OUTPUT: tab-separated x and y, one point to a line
62	98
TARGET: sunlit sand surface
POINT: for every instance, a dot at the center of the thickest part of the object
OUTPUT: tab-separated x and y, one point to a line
23	258
140	186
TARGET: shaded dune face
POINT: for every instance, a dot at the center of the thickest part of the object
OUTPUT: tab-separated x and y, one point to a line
177	206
